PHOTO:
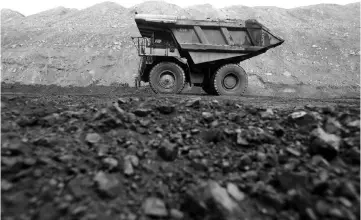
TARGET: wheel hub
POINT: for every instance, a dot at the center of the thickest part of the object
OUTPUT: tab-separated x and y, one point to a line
230	81
167	80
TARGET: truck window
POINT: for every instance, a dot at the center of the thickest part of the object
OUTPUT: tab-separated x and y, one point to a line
163	40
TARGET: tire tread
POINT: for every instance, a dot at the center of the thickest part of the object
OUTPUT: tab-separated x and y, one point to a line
154	71
215	88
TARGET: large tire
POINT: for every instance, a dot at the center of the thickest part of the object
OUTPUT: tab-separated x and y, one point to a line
230	79
167	77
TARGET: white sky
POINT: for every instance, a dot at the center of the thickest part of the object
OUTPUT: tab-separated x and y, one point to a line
28	7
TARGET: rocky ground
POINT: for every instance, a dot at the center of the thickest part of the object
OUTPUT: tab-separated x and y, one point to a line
126	155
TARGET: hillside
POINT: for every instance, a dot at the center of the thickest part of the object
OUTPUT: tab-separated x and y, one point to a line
80	47
7	15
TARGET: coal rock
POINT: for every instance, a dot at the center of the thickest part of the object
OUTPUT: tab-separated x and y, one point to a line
250	174
332	126
240	138
268	195
322	207
194	131
200	164
92	138
268	114
354	124
212	135
348	190
318	160
245	160
131	117
48	211
279	131
336	212
261	156
236	117
133	159
168	151
13	144
352	155
293	151
155	207
144	123
232	116
196	153
210	199
327	145
290	180
302	118
195	103
122	101
176	214
110	162
207	116
166	109
236	194
345	202
142	112
6	185
78	186
108	184
50	120
128	167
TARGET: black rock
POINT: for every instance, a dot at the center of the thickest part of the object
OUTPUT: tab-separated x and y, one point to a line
48	211
325	144
166	109
79	186
168	151
302	118
245	160
212	135
155	207
122	101
207	116
268	195
92	138
348	190
332	126
292	180
142	112
108	184
195	103
211	201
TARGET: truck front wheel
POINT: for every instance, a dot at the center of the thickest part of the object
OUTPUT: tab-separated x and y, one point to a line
230	79
167	77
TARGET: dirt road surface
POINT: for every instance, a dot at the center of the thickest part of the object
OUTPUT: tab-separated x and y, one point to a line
127	154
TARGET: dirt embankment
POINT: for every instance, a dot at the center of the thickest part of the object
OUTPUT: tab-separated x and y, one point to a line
79	47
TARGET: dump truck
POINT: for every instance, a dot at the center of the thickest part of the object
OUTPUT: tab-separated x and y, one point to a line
206	53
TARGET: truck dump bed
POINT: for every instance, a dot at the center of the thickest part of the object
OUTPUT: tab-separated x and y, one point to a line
211	40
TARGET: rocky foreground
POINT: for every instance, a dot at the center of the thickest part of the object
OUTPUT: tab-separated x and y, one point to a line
67	157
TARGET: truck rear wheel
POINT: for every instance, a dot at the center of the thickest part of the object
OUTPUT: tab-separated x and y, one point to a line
230	79
167	77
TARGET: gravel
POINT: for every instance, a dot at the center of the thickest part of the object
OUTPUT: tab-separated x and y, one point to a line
146	157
